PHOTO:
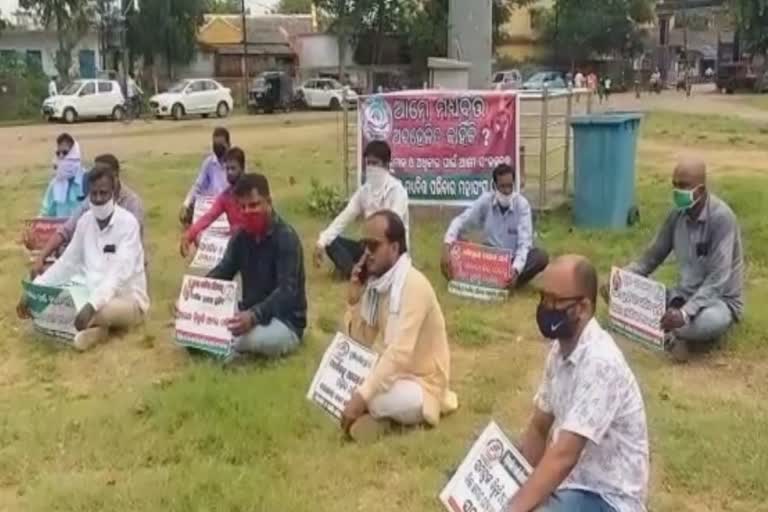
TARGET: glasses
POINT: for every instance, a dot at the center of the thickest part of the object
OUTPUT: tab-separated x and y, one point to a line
61	153
372	245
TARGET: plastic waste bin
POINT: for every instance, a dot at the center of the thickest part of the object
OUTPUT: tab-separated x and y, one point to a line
605	147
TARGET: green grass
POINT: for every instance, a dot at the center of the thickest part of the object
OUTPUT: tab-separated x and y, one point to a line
719	131
138	425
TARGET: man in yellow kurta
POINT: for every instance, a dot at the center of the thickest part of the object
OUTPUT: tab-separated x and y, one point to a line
394	310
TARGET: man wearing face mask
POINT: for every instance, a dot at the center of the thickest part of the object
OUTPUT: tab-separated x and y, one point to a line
588	437
107	257
394	310
267	254
381	191
504	216
212	178
66	190
225	203
704	235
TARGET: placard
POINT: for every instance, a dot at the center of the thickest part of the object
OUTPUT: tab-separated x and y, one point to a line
204	307
480	272
488	477
636	307
210	251
444	143
202	205
345	366
54	309
38	230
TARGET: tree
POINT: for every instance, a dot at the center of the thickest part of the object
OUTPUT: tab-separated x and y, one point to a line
502	10
224	6
70	18
294	6
345	21
752	22
167	28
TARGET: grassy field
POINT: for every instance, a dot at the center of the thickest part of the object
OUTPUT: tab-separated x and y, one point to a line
138	425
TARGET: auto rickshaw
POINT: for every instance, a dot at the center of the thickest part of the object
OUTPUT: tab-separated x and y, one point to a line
271	90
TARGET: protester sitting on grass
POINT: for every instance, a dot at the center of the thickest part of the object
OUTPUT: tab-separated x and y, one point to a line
125	198
504	216
225	203
393	309
704	234
588	438
212	178
66	190
107	257
267	254
381	191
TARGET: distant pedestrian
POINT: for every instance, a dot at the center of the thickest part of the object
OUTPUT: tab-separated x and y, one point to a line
53	90
579	80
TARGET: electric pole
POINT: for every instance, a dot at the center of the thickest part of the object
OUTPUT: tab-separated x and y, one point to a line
244	64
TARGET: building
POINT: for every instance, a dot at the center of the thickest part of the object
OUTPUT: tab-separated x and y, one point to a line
521	36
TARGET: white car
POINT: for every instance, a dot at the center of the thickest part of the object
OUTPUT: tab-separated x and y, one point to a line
326	93
193	96
86	99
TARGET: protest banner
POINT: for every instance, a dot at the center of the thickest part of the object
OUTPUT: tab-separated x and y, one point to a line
202	205
488	477
345	365
444	143
210	250
204	307
38	230
480	272
54	308
636	307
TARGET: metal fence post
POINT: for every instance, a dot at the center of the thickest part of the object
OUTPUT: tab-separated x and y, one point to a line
590	97
345	137
567	158
543	135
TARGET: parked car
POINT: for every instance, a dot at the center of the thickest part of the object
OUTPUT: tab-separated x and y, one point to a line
552	79
325	93
507	80
202	96
86	99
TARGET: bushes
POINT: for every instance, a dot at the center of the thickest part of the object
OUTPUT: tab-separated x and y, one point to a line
23	86
325	200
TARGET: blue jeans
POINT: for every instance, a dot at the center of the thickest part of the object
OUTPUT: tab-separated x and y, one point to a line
708	325
572	500
272	340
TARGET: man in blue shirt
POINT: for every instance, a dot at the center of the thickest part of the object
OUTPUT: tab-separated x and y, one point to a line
505	218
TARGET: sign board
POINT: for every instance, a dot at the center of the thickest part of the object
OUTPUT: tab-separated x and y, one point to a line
444	143
38	230
204	307
636	307
202	205
54	308
345	365
210	250
488	477
480	272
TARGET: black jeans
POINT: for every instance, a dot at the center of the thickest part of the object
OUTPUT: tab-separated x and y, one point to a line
345	253
536	262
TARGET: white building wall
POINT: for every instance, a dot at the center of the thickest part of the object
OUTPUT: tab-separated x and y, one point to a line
47	44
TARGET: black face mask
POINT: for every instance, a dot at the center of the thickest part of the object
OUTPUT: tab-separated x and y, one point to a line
219	150
555	324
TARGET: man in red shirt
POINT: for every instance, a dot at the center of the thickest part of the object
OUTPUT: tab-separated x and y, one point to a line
234	162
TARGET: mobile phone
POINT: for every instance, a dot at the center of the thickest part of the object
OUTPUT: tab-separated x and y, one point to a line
363	274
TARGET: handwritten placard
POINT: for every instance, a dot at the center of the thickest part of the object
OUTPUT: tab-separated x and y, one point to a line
54	308
210	251
202	205
345	365
488	477
636	307
480	272
204	307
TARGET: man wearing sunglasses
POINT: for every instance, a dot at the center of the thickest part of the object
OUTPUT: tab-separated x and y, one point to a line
504	216
588	404
704	234
393	309
212	178
381	191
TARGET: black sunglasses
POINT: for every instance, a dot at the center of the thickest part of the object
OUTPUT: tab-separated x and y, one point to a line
371	244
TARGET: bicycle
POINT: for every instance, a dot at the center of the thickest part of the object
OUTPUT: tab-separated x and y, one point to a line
134	108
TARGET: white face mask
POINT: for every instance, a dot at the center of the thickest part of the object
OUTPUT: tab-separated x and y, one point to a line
103	211
504	200
376	176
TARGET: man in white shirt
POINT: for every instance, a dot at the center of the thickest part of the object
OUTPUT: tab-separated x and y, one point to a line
578	81
381	191
589	404
107	257
53	90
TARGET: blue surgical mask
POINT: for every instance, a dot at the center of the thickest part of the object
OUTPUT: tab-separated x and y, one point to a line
554	324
